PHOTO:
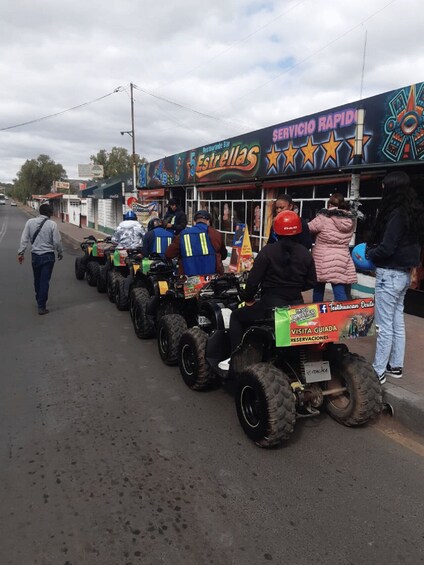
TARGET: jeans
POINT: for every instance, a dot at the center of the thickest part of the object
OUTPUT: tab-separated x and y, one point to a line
42	267
339	290
390	290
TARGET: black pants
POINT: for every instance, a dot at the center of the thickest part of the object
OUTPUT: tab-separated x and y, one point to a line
244	317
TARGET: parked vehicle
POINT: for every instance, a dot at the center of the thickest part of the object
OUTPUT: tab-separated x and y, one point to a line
274	384
88	266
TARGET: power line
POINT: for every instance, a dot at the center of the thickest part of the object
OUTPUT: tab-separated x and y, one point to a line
119	89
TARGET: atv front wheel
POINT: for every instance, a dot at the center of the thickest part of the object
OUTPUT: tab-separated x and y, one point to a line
92	273
102	279
195	370
112	277
144	325
265	404
361	400
170	329
121	294
80	265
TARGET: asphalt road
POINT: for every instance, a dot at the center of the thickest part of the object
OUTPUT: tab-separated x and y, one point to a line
108	458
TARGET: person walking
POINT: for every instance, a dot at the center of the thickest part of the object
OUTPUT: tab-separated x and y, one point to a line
333	227
394	247
281	271
200	249
45	239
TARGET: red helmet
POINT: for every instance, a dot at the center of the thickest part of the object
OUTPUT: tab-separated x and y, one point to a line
287	223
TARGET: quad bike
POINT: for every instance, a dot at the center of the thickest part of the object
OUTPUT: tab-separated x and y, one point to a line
152	294
94	257
289	371
115	269
126	279
195	303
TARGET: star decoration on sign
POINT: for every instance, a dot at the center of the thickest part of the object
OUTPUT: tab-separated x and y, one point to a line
289	153
351	141
308	151
330	148
272	157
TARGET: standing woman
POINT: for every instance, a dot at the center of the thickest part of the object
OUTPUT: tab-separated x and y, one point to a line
333	227
394	248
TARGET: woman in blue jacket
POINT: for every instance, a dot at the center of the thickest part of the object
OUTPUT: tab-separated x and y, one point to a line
394	248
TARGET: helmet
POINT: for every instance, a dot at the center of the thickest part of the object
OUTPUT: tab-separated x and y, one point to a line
154	223
360	259
130	215
202	215
287	223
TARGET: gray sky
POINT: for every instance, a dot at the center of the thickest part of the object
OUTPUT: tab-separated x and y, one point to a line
246	64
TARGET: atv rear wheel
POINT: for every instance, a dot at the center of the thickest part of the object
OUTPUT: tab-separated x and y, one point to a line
170	329
144	325
362	399
112	277
195	370
265	404
102	280
121	294
92	273
80	265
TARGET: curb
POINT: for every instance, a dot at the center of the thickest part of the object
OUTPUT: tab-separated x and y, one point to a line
406	407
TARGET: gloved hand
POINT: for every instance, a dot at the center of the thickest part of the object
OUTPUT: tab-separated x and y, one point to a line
20	259
60	257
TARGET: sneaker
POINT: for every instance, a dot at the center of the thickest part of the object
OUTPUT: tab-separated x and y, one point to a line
43	311
395	372
382	378
225	365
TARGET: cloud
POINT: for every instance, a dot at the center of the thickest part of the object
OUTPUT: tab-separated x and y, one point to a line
247	64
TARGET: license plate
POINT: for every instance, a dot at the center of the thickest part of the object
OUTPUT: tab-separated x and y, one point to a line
317	371
203	321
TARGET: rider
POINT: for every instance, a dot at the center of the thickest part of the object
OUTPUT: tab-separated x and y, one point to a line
129	234
201	248
175	219
282	271
157	238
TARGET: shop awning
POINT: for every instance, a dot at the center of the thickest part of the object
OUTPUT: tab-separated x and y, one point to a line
88	191
109	191
49	196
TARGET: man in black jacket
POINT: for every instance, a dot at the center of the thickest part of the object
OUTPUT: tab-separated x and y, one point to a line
175	219
282	271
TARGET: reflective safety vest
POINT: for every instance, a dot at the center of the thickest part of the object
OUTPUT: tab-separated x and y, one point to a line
198	255
162	238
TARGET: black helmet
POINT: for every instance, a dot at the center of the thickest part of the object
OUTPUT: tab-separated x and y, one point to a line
154	223
202	215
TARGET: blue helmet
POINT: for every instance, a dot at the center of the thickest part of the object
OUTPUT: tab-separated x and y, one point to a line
360	259
130	215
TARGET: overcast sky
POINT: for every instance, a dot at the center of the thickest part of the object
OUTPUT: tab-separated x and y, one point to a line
246	64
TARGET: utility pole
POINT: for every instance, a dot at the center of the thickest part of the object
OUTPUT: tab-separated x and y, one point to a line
133	139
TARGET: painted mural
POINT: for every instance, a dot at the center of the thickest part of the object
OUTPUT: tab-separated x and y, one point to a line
393	131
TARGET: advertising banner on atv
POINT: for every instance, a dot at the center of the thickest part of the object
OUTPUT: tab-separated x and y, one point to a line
324	322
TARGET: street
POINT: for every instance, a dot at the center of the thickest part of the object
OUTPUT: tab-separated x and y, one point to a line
108	458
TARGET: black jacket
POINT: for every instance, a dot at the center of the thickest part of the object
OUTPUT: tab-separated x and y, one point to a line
399	248
180	221
283	269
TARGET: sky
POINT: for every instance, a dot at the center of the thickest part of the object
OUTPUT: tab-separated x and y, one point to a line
203	72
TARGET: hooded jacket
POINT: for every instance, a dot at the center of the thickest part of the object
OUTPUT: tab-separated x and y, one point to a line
333	229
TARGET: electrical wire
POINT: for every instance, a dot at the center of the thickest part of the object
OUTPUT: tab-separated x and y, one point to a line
119	89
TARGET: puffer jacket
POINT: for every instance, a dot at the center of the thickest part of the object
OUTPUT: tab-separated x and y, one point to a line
333	229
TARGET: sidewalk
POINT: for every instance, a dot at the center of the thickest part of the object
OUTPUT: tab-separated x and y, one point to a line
405	396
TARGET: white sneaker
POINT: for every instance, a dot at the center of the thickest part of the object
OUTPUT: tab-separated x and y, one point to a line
225	365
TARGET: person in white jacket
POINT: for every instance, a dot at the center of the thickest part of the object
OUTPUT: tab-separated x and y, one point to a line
130	233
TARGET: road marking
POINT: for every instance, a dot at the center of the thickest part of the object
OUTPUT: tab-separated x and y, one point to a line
407	441
3	229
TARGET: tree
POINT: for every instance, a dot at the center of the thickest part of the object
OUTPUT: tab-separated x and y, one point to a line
117	162
36	177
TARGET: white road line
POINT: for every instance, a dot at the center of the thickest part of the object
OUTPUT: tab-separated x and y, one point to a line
3	228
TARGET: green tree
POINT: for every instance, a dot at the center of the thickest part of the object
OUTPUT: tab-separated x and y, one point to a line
117	162
36	177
